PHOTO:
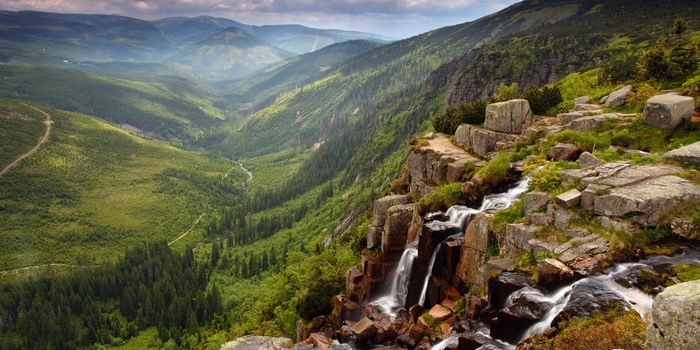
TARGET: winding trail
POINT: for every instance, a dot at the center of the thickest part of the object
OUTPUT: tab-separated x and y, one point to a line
48	122
46	265
188	231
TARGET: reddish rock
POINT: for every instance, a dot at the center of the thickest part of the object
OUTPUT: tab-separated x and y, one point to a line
319	321
364	330
444	328
592	265
345	331
448	291
553	273
440	313
416	331
414	312
423	323
564	151
372	268
357	285
406	341
449	304
320	341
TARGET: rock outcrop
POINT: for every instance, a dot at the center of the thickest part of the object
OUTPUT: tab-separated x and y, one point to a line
618	98
675	322
689	154
258	343
509	117
668	111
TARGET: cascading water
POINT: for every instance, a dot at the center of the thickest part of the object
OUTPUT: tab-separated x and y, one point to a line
391	303
635	299
460	216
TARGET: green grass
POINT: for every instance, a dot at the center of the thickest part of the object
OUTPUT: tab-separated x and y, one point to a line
93	189
20	129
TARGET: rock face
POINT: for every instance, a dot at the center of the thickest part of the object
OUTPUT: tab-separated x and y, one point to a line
646	201
668	111
483	141
689	154
618	97
589	123
250	342
509	117
676	318
396	230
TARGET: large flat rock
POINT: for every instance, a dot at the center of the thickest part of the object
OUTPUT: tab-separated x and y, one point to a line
689	154
645	201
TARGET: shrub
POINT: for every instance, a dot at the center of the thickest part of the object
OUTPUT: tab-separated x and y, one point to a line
495	170
507	216
545	178
609	331
445	197
640	95
470	113
541	100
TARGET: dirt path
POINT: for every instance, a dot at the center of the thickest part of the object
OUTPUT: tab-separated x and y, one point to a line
41	141
188	231
45	265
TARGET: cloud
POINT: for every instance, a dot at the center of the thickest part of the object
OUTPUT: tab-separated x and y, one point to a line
397	18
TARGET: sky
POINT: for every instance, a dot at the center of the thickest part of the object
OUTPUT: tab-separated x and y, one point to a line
396	19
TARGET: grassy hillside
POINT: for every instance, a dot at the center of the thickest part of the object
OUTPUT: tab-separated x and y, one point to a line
162	107
93	189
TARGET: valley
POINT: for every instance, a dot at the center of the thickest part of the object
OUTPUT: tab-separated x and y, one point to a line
183	182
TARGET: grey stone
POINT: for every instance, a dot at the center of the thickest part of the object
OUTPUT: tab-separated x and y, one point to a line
618	98
604	99
579	249
582	100
461	136
647	201
539	246
382	205
569	199
587	160
485	141
509	117
563	217
668	111
563	151
250	342
553	129
585	107
590	193
566	118
398	220
574	175
534	201
689	154
374	237
541	219
628	175
613	224
553	272
516	239
675	318
685	227
589	123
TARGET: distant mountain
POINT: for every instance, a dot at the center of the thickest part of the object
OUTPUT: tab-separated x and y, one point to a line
219	48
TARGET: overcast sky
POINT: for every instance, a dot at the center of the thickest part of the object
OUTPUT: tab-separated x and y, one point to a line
394	18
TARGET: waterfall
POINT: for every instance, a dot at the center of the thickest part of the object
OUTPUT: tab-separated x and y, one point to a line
635	299
461	215
391	303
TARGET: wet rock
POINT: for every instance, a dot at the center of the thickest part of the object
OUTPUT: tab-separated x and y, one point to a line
364	330
588	161
345	309
534	201
508	117
569	199
563	151
676	318
473	341
592	265
589	123
513	321
566	118
689	154
588	297
504	285
415	312
668	111
646	201
554	273
250	342
618	97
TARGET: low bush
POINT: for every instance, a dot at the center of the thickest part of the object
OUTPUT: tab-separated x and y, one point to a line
445	197
496	170
609	331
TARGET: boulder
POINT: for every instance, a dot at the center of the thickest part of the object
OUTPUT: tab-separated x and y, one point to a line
357	285
566	118
534	201
592	265
582	100
461	136
590	193
487	141
604	99
320	341
563	217
589	123
553	273
397	222
668	111
382	205
439	313
415	312
509	117
501	287
587	160
581	248
516	238
455	170
563	151
676	318
621	174
568	199
689	154
645	202
618	97
364	330
250	342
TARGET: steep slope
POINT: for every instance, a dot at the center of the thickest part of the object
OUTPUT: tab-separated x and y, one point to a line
261	88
